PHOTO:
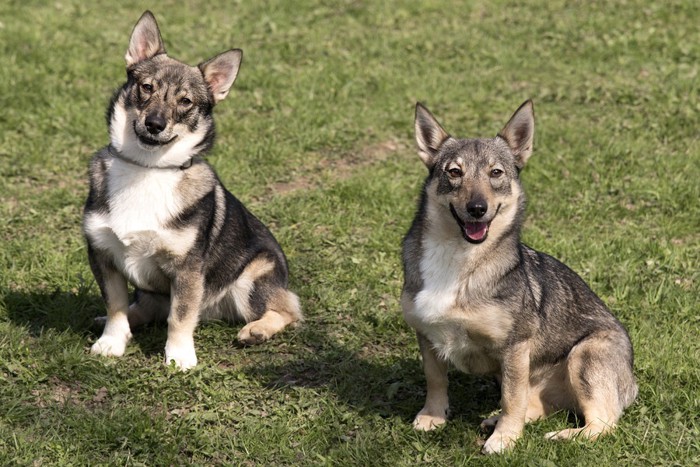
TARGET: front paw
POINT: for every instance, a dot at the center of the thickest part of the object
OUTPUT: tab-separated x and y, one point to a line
109	346
426	422
182	355
499	442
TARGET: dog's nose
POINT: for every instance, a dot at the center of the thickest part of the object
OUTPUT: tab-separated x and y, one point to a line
155	123
477	208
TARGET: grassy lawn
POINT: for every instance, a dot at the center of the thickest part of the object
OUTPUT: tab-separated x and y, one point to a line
317	139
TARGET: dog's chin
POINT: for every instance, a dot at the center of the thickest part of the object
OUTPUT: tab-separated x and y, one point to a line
151	144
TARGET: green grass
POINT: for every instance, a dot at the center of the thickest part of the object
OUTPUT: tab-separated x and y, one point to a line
316	137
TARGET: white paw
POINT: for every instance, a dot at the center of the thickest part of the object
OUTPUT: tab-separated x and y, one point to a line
183	355
109	346
499	442
425	422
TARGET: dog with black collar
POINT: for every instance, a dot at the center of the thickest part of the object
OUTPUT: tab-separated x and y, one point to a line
158	217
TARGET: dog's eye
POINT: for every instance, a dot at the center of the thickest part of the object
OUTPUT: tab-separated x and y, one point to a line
455	172
495	173
145	87
185	101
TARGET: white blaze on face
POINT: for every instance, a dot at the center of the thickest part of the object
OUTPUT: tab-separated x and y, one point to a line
174	154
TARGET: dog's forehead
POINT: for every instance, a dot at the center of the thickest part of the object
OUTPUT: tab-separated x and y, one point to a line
482	151
168	70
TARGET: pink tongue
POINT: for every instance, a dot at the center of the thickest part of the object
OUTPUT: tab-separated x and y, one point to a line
476	230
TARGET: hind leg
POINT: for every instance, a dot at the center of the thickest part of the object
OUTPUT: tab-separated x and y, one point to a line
282	310
148	307
260	298
535	411
601	422
602	384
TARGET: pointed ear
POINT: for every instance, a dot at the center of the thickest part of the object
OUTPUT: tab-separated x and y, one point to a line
145	40
519	133
429	135
220	72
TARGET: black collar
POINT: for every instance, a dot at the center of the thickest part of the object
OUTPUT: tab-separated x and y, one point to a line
114	153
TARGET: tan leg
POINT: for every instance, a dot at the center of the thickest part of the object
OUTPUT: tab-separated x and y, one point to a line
282	310
186	292
597	373
434	412
117	332
535	411
597	424
535	408
514	400
591	431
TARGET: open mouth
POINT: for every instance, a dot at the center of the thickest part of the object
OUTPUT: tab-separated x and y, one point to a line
473	232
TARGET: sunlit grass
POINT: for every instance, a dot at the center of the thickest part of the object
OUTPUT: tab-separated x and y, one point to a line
316	137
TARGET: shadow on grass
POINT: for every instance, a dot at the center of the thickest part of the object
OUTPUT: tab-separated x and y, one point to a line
384	385
70	311
59	310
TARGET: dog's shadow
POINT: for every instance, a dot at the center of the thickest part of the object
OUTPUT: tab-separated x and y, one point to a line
386	383
59	310
72	311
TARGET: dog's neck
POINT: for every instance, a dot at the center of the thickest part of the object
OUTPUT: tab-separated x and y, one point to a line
118	155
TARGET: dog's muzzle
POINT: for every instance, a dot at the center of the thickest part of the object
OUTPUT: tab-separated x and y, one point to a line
149	140
473	231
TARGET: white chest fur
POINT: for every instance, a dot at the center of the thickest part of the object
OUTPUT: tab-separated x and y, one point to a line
461	326
140	198
135	229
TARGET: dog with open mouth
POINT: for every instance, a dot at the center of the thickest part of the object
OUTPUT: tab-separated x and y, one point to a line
485	303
